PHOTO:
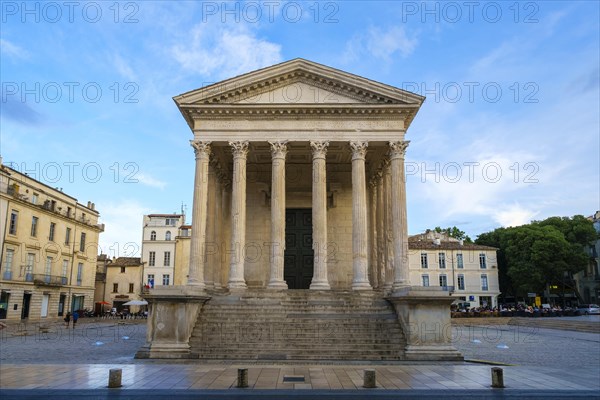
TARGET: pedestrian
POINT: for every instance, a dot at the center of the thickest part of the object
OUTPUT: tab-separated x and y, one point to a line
75	318
68	319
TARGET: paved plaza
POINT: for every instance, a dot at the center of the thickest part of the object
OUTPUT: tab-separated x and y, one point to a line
54	362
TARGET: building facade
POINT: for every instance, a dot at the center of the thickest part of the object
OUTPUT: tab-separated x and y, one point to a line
124	282
299	199
158	247
49	249
469	272
588	280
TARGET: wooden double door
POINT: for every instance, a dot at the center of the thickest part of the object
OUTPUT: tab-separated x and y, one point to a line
298	255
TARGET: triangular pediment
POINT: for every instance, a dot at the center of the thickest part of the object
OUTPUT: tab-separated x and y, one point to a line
298	82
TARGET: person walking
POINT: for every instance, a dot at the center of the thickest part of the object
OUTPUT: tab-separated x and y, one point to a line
68	319
75	318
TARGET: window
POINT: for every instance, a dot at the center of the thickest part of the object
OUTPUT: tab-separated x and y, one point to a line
484	282
65	267
461	282
29	267
34	224
443	280
171	221
168	235
69	212
167	259
152	259
459	261
423	260
34	198
166	279
131	288
48	270
10	253
14	216
82	242
153	235
482	263
115	288
122	270
79	273
68	236
52	229
442	260
151	280
425	280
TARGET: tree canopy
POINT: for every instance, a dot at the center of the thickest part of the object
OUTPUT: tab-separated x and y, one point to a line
455	233
540	253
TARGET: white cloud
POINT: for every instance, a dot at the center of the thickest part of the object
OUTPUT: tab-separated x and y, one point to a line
150	181
12	50
514	215
380	43
225	52
123	68
123	227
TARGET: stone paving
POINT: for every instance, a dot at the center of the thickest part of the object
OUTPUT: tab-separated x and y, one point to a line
544	360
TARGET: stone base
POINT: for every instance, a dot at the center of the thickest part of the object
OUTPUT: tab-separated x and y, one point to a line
173	311
424	314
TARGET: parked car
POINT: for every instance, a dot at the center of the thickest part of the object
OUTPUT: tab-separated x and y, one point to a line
588	309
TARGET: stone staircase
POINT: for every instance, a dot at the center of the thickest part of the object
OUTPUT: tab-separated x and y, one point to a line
298	325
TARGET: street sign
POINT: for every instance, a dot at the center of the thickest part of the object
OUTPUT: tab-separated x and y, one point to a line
531	294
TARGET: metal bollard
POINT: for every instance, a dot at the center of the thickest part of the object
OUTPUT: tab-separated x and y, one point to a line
497	378
369	379
114	378
242	380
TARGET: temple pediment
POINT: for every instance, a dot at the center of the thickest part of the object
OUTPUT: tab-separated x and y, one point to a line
298	82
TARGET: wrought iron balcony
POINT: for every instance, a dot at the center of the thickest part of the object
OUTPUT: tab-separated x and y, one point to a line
49	280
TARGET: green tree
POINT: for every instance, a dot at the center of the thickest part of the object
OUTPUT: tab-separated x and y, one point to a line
534	255
455	233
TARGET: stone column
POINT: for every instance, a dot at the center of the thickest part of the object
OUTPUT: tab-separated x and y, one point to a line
210	244
218	243
387	235
374	261
319	215
238	215
399	225
360	262
278	152
380	215
199	211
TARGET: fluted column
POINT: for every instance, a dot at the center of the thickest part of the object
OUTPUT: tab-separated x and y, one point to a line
360	262
387	235
374	261
278	152
210	244
380	215
199	213
399	223
238	215
319	215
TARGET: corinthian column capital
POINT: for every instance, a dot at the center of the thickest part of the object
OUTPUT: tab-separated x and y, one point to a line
398	149
278	149
239	148
200	147
319	149
359	149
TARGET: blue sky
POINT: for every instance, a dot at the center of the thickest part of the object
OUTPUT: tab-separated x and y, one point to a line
509	131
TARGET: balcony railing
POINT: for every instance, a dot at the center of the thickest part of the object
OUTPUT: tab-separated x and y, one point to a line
49	280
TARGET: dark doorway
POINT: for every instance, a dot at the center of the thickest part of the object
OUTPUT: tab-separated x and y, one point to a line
25	307
299	256
61	304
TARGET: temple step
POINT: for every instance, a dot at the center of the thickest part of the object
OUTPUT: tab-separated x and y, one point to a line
298	325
